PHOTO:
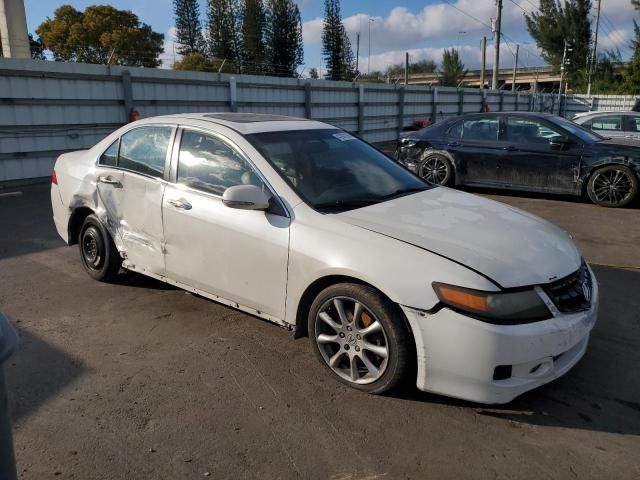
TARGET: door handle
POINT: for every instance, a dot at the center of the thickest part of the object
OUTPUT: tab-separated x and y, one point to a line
179	203
110	181
510	148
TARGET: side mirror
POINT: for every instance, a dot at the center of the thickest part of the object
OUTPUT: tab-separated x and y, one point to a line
245	197
559	142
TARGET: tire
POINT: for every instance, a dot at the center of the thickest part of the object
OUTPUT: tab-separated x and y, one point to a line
372	353
99	255
436	169
613	186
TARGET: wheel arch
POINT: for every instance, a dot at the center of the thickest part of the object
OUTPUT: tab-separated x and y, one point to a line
315	287
445	153
76	220
634	167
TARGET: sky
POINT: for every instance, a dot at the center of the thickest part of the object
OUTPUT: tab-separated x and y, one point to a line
423	28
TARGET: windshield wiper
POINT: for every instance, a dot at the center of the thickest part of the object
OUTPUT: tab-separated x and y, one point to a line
402	192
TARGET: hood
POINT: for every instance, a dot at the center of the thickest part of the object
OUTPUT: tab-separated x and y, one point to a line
511	247
622	141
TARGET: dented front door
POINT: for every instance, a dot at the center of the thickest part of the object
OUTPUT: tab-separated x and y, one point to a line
131	194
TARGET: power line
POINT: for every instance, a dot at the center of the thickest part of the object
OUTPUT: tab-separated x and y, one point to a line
467	14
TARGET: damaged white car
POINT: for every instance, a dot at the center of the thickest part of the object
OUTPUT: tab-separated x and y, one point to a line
302	224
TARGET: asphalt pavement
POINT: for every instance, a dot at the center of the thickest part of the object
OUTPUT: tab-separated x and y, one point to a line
139	380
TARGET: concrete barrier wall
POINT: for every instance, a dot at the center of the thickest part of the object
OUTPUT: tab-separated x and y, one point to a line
47	108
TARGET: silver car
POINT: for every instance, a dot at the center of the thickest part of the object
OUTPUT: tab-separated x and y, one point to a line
611	124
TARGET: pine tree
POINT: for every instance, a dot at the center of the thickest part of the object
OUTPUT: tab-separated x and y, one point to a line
631	76
253	31
283	35
336	47
452	68
556	22
188	27
223	29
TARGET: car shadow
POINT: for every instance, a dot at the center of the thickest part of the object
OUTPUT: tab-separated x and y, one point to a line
26	221
37	372
535	195
602	392
127	278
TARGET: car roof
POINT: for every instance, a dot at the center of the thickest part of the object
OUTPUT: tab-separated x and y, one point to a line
606	112
246	123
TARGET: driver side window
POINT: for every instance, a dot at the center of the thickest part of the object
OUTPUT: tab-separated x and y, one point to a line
525	130
208	164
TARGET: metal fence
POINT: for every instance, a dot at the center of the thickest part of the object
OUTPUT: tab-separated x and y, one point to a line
47	108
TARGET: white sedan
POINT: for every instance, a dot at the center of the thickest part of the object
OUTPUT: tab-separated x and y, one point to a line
302	224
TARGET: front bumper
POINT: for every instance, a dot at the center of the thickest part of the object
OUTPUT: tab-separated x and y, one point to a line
458	355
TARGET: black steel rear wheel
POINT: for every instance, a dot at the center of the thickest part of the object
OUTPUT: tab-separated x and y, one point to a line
613	186
99	255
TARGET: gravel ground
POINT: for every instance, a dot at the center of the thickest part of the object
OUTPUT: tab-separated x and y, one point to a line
138	380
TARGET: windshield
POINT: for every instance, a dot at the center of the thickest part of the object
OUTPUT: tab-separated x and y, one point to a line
578	130
333	170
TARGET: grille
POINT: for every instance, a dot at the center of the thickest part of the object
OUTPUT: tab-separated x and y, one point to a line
572	293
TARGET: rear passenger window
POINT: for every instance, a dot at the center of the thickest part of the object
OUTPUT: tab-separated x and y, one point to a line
207	163
612	122
455	131
144	150
481	129
110	156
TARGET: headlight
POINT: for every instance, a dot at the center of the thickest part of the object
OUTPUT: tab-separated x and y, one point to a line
496	307
409	143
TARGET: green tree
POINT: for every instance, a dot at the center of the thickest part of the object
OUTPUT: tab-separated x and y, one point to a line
198	62
608	77
336	47
188	27
557	21
283	37
223	29
253	31
37	49
423	66
100	34
631	83
452	69
313	73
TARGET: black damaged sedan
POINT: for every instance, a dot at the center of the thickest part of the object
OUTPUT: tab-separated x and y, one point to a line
524	151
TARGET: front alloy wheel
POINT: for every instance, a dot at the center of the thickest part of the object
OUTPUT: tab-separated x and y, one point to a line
436	169
360	336
613	186
351	340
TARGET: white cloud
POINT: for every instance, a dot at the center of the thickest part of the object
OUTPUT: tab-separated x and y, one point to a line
615	39
470	54
403	30
170	56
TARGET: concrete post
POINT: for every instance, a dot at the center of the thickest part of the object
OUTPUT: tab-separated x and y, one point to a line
307	100
233	102
13	29
361	110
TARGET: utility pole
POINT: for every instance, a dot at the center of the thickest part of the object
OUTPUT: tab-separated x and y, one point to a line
371	20
406	68
515	68
13	30
357	51
562	68
483	63
594	52
496	40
